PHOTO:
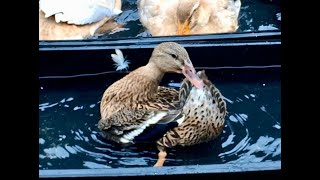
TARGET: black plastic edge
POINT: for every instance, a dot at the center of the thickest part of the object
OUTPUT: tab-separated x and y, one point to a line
246	38
170	170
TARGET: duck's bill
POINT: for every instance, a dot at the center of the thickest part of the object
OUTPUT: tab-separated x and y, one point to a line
190	73
183	29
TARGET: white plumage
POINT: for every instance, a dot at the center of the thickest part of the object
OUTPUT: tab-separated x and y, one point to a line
120	62
79	12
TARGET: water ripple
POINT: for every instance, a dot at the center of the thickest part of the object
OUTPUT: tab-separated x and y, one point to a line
70	138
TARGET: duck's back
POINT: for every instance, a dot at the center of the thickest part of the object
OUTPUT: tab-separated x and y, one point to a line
126	92
218	16
158	16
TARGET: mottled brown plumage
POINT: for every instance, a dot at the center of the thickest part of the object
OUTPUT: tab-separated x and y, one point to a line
136	101
204	111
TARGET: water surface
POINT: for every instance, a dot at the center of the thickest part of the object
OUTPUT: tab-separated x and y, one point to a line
69	112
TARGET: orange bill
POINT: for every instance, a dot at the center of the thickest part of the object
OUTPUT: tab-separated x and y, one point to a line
183	29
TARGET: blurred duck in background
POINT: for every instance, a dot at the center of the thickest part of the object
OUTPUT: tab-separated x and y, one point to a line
77	19
186	17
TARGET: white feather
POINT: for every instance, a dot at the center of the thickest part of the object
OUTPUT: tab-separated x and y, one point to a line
79	12
123	140
180	120
152	120
120	62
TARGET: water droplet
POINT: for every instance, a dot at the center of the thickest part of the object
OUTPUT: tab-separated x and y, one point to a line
41	141
70	99
277	126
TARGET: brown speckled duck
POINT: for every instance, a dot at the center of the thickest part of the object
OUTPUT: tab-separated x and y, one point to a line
204	112
185	17
136	102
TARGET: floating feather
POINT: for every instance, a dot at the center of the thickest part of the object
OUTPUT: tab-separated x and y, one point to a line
278	16
120	62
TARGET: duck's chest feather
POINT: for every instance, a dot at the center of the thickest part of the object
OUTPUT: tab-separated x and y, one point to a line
203	121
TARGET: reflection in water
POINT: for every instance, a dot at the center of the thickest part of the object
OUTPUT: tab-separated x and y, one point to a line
69	137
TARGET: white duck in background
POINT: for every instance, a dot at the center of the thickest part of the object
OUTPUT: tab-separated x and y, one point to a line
80	12
76	19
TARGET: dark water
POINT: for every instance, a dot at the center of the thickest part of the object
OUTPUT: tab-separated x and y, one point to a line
69	112
255	15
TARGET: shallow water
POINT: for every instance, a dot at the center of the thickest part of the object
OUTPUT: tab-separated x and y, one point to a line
255	15
69	112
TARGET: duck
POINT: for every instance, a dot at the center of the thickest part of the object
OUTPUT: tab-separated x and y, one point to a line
77	19
136	102
188	17
204	111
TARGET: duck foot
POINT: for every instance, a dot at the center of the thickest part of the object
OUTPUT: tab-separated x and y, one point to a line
161	158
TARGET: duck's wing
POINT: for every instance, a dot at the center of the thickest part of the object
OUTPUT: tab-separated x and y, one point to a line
50	30
226	13
156	14
136	121
131	121
89	12
51	7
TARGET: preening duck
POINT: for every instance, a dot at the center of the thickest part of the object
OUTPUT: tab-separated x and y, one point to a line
136	102
136	109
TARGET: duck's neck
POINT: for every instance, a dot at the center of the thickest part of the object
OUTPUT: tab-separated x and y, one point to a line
152	71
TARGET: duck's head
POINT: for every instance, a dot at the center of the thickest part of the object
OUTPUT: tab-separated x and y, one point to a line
172	57
187	15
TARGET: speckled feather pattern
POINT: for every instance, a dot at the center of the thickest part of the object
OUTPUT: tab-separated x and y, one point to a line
204	111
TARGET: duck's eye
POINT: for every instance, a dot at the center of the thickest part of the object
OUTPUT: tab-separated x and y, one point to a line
174	56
